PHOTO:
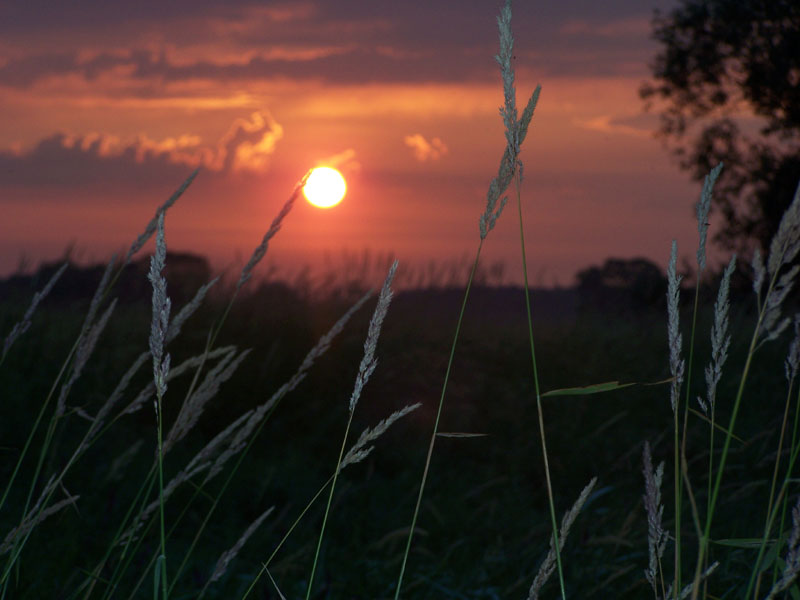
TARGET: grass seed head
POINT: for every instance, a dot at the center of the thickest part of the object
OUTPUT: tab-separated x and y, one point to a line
656	534
369	362
549	564
151	226
703	208
161	307
25	323
720	338
676	363
227	556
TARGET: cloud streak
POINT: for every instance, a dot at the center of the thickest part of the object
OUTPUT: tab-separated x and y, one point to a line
344	64
347	42
612	125
64	159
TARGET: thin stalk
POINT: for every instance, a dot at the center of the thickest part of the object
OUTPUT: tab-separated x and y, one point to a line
248	268
35	427
710	477
175	523
163	557
150	565
142	495
231	474
19	544
328	508
785	503
212	336
553	523
224	487
100	298
676	581
755	576
285	537
103	294
436	425
364	371
81	449
772	515
51	425
210	339
154	558
679	481
768	520
723	458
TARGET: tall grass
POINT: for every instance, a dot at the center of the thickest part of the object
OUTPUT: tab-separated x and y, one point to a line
128	554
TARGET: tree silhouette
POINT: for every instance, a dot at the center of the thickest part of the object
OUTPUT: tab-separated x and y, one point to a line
622	285
732	69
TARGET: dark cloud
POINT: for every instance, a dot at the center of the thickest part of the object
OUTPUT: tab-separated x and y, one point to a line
35	16
66	160
27	70
356	66
441	22
376	41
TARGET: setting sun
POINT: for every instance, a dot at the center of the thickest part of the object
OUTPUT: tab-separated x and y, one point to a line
325	187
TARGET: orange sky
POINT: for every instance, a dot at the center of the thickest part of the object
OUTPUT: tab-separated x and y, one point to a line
102	117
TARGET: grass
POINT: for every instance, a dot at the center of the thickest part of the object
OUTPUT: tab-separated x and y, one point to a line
538	479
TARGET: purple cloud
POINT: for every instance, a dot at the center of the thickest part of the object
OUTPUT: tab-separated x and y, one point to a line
63	159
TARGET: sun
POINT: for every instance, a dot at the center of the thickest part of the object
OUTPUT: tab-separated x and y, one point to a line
325	187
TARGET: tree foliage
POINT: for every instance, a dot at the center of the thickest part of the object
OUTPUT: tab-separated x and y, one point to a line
621	286
728	73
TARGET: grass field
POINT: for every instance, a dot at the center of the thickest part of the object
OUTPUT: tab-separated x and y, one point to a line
106	406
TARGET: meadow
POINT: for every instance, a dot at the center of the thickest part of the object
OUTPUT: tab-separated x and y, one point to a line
169	434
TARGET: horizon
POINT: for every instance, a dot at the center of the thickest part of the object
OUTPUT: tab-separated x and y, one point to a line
340	272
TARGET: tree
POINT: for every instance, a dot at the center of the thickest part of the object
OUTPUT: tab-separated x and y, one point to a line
732	68
622	285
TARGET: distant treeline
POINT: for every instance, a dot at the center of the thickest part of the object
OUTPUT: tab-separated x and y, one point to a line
618	285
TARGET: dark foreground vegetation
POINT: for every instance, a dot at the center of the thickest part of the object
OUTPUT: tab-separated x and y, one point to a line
483	526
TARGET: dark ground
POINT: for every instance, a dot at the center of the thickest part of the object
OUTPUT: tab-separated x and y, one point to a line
483	528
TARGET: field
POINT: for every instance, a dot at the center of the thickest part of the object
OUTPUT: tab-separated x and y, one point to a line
461	496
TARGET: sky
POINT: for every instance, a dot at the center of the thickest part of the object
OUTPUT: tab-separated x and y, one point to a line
106	108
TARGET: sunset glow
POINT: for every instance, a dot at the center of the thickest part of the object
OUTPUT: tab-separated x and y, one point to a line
325	187
98	129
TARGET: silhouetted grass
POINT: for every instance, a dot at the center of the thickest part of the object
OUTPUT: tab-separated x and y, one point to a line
205	474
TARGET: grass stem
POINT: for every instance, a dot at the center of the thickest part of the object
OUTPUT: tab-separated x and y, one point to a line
435	431
542	437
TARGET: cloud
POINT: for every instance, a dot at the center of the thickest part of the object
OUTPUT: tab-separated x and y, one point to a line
151	44
248	144
345	160
64	159
609	124
335	62
424	150
27	70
